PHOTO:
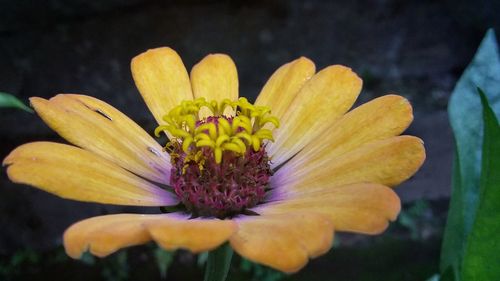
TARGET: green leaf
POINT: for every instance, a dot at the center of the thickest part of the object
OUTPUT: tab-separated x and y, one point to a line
454	236
466	116
448	275
482	254
467	124
115	267
218	263
163	260
434	277
261	272
202	259
87	258
7	100
412	218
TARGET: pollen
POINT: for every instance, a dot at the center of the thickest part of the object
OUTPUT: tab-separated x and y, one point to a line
219	163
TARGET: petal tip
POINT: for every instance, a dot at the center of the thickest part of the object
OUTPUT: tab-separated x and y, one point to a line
72	248
218	56
344	75
36	99
151	55
155	52
36	102
7	161
217	60
305	61
393	205
420	150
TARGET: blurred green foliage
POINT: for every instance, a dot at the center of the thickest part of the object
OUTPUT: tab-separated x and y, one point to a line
14	266
163	260
414	217
8	100
116	267
218	263
260	272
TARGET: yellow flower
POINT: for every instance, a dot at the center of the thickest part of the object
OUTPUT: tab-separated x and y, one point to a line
274	178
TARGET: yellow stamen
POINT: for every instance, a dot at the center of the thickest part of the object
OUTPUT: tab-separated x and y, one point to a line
224	133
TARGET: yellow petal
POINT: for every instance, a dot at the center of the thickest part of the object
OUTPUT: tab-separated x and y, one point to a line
177	231
284	85
105	235
378	119
73	173
388	162
162	79
322	100
215	78
98	127
363	207
284	242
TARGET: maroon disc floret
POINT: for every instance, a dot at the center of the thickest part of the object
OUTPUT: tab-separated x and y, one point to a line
220	190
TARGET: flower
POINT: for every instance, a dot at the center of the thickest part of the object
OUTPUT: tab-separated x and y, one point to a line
274	178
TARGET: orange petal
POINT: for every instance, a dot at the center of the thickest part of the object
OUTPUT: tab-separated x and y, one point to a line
215	78
105	235
388	162
363	207
378	119
96	126
176	231
162	79
284	242
284	85
322	100
74	173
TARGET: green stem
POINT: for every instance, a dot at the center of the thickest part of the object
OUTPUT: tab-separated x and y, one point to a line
218	263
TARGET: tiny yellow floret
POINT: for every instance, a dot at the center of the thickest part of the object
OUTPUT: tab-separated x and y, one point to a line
218	132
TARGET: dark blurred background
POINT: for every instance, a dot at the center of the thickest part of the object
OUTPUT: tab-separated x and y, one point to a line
417	48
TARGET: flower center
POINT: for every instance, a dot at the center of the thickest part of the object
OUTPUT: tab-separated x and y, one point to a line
220	166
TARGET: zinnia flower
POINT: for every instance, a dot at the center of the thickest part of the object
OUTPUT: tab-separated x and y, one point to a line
274	178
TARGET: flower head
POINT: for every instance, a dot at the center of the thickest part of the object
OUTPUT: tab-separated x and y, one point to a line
274	178
220	167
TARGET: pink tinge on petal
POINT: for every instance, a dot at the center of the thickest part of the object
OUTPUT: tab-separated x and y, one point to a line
275	194
74	173
167	198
